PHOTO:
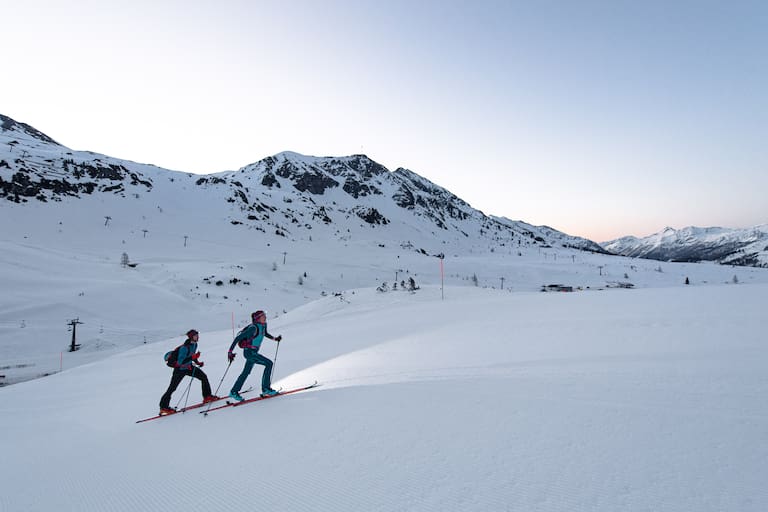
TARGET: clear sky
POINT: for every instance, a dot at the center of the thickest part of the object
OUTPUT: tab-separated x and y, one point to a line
597	118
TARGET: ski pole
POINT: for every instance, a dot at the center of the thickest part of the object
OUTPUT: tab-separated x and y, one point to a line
217	388
190	386
274	363
222	378
186	392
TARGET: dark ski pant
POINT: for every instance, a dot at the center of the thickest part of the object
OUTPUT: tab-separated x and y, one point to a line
177	377
252	357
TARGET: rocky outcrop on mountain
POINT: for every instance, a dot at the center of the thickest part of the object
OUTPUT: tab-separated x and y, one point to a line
31	180
371	216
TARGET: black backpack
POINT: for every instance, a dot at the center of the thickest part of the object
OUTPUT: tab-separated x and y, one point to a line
171	358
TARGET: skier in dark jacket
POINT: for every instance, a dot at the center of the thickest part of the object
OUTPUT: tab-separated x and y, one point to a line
187	363
250	339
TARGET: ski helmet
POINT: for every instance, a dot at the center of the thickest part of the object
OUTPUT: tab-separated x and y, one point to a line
255	316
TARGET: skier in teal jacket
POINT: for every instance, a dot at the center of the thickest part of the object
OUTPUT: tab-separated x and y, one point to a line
249	339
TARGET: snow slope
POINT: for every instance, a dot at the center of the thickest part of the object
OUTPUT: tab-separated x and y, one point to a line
207	250
57	273
649	399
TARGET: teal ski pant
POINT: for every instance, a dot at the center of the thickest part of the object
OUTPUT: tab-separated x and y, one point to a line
253	357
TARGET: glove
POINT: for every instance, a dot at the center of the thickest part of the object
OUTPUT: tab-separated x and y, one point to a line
200	364
231	356
196	355
278	338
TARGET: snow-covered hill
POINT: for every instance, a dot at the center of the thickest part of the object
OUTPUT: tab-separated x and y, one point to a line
650	399
474	391
723	245
137	253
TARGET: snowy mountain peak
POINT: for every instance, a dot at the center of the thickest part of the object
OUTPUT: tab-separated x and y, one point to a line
22	130
287	195
723	245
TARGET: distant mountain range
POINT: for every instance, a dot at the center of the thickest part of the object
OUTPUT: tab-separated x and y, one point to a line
748	247
288	194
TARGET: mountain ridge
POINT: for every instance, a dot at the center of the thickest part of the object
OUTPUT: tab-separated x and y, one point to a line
727	246
288	193
291	194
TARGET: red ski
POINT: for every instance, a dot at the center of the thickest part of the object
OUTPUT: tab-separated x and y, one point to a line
258	398
188	408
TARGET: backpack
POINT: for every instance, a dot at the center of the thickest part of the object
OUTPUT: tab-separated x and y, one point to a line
246	343
171	358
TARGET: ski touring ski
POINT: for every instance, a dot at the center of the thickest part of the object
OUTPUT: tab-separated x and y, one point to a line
189	408
259	398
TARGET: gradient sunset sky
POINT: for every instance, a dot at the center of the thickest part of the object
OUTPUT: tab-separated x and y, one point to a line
597	118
